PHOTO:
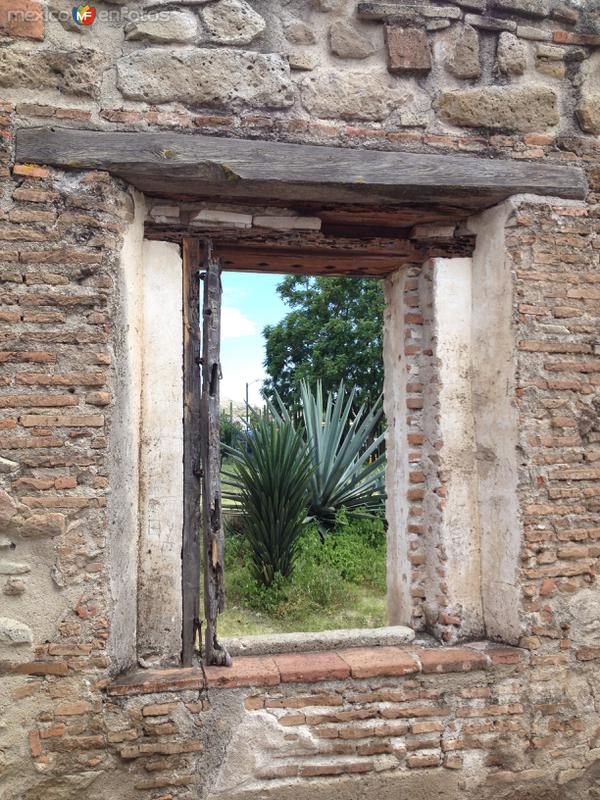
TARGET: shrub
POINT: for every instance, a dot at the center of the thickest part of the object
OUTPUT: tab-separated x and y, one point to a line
269	483
347	469
328	576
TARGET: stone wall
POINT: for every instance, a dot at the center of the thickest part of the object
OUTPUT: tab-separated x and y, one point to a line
514	79
487	65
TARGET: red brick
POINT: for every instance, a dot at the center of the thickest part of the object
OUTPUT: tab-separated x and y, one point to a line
420	762
38	400
41	668
429	726
62	379
407	49
345	768
35	744
158	709
30	170
27	691
58	421
73	709
29	442
21	19
566	37
311	667
369	662
245	671
160	748
451	659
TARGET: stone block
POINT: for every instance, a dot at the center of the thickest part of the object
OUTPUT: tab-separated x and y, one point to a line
7	466
530	8
588	107
303	62
346	42
21	19
330	94
511	56
13	568
71	72
165	212
437	24
588	113
8	508
14	587
40	526
407	50
211	217
527	108
490	23
397	11
463	58
534	34
217	78
298	32
13	632
327	5
169	26
289	223
550	52
231	22
472	5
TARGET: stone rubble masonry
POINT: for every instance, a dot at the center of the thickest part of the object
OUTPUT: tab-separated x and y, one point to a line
232	57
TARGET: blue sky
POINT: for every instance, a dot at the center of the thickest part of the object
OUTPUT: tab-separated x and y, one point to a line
250	301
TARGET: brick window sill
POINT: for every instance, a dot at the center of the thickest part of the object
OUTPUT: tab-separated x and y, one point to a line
358	663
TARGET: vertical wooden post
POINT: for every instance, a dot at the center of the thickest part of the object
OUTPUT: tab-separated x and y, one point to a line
214	589
191	447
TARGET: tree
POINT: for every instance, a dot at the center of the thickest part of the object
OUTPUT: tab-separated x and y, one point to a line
333	333
232	431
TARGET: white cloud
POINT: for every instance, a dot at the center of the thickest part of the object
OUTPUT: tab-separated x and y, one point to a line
234	324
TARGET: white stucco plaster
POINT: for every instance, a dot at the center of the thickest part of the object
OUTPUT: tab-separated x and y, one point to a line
161	454
460	532
125	417
494	384
398	565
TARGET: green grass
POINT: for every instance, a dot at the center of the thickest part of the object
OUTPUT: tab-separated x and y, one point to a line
336	584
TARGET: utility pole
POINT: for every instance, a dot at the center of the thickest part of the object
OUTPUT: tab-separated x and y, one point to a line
247	398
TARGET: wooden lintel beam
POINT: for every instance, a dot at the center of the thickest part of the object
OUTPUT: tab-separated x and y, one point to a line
310	263
170	162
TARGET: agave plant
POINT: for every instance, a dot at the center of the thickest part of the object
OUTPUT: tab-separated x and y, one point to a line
269	481
347	468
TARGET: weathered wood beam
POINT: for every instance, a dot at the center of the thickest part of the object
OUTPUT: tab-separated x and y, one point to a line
191	447
204	165
212	509
303	262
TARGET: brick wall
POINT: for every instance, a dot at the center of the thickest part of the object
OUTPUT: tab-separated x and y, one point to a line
555	253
